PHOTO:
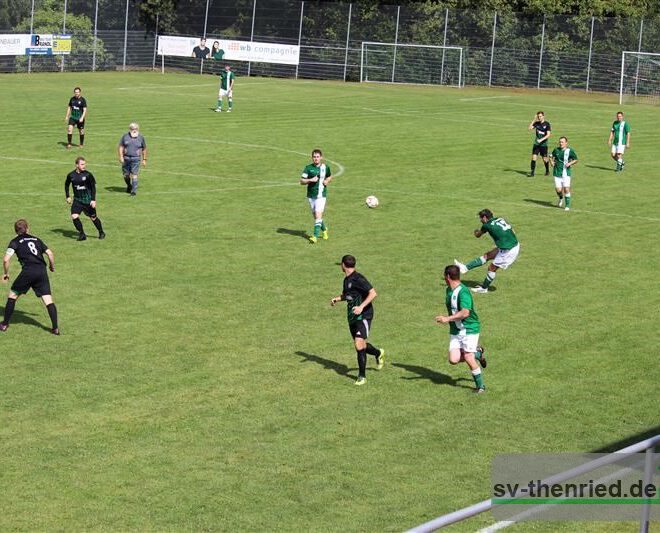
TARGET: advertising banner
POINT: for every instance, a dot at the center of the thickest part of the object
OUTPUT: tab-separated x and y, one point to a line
14	44
20	44
287	54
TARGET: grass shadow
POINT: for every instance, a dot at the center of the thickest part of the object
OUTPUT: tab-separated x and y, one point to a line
21	317
435	377
597	167
328	364
113	188
471	284
516	171
68	233
292	232
544	203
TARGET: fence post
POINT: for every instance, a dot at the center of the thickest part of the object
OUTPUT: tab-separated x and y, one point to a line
63	32
444	43
538	83
254	12
492	50
348	38
206	18
153	63
96	18
591	42
125	36
31	32
396	40
302	9
648	477
639	49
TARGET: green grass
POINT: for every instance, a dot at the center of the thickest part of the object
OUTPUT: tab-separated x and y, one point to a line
203	382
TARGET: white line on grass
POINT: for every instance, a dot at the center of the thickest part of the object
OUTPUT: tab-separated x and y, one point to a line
481	98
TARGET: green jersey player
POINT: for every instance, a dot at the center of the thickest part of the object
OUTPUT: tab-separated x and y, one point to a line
316	176
619	140
563	158
464	326
227	78
502	256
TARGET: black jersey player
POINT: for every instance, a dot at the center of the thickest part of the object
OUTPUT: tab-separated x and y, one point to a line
84	197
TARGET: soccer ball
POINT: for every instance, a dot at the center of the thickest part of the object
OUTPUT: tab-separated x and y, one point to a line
371	201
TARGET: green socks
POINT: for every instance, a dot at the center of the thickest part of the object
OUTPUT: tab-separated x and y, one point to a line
568	200
490	277
317	228
219	104
476	263
478	379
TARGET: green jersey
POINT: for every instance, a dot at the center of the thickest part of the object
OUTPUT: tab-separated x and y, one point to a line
317	189
561	159
456	300
218	55
226	79
501	232
621	129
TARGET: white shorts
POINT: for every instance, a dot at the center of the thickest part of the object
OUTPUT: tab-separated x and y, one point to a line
317	204
563	182
505	258
467	343
618	148
224	92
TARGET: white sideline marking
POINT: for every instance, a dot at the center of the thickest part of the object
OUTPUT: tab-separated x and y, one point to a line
162	86
497	526
482	98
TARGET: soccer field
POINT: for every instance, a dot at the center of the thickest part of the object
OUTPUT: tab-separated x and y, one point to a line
203	382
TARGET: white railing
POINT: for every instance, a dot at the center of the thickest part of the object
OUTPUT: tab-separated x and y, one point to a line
647	445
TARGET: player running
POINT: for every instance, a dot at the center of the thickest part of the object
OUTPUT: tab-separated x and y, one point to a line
563	158
542	132
503	256
29	250
619	140
76	112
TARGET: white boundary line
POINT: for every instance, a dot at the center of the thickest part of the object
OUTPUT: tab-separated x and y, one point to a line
482	98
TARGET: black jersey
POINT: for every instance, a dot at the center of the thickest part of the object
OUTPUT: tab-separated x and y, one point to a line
356	289
29	251
84	186
77	106
541	129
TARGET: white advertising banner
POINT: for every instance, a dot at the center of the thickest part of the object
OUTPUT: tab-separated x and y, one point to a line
287	54
20	44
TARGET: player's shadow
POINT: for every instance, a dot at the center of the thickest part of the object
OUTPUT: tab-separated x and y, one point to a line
515	170
21	317
292	232
472	283
114	188
329	364
62	143
597	167
435	377
544	203
68	233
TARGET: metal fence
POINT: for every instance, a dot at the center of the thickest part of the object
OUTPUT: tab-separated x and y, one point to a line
500	49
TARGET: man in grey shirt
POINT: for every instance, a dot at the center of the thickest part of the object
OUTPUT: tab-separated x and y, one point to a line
132	150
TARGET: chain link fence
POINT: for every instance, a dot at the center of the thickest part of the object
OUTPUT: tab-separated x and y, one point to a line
500	49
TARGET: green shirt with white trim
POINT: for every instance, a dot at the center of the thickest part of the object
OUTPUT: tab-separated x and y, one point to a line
562	158
317	189
456	300
501	232
621	129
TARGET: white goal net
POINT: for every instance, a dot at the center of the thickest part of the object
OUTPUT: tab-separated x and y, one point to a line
640	78
411	63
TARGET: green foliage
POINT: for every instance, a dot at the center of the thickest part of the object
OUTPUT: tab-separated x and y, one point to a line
49	18
202	382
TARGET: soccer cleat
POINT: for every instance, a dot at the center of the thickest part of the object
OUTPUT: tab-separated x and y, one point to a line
3	326
68	147
82	237
312	239
531	175
560	203
380	360
479	390
325	234
482	360
55	331
479	289
229	110
218	110
567	208
133	193
547	172
101	234
361	380
463	269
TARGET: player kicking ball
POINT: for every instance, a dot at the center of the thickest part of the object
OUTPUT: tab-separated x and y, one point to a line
503	256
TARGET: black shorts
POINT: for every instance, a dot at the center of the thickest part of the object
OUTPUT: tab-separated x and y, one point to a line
77	123
537	149
33	278
360	329
77	208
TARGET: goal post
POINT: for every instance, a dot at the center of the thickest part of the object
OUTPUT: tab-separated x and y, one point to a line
640	77
422	64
